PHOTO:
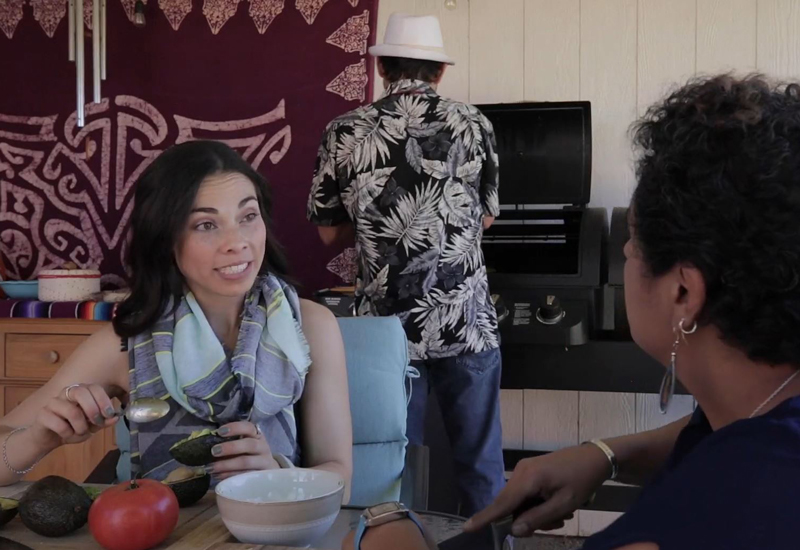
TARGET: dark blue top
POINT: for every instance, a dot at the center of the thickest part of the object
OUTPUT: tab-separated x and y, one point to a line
736	488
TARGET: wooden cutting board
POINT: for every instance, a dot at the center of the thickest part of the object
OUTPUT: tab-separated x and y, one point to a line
199	528
212	535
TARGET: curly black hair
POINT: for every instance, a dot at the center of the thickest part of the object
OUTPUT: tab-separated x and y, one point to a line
719	189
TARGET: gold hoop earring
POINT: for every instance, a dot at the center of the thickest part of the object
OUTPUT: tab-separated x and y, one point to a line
687	331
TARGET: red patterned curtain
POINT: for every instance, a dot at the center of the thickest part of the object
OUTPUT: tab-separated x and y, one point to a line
265	76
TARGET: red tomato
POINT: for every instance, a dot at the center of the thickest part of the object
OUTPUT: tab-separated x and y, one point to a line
136	515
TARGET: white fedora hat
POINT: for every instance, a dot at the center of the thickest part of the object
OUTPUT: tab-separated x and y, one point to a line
413	36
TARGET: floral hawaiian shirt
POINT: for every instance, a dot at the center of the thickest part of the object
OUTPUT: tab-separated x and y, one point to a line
415	173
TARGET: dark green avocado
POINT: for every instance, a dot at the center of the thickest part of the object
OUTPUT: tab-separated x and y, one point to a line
54	507
196	449
188	484
8	509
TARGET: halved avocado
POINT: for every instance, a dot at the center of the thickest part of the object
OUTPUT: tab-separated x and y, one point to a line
8	509
196	449
188	484
93	492
54	507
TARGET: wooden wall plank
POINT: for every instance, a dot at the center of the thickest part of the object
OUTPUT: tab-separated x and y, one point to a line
666	51
778	39
608	80
551	420
594	521
455	30
511	414
604	415
552	50
496	51
726	35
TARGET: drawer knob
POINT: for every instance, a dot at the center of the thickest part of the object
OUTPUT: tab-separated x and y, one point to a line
53	357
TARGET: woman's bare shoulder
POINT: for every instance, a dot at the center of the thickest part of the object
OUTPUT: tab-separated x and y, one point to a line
317	317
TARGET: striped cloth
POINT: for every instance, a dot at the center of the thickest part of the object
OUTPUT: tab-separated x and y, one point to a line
33	309
181	360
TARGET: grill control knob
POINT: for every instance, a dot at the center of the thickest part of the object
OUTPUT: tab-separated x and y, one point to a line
550	311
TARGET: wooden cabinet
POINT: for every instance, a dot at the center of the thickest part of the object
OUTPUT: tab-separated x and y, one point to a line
31	351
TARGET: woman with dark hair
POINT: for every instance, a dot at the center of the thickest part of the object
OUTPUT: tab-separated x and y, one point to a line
212	327
712	291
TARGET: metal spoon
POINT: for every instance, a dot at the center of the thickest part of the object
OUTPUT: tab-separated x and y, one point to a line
147	409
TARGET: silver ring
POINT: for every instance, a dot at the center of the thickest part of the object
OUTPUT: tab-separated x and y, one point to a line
69	389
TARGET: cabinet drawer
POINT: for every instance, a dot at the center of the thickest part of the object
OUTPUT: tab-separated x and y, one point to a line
38	356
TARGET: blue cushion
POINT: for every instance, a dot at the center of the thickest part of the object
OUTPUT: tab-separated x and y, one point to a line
377	361
122	437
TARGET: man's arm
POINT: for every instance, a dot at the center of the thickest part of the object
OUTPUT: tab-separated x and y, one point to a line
325	208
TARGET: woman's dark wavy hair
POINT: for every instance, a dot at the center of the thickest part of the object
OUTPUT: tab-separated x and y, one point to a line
719	188
165	194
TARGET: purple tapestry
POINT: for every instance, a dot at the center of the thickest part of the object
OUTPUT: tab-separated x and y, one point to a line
265	77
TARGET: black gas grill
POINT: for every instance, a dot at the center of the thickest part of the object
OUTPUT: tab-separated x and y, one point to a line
546	253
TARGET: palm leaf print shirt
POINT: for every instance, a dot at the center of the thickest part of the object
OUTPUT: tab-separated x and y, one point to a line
415	173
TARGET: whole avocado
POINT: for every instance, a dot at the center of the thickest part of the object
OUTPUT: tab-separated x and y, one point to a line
54	507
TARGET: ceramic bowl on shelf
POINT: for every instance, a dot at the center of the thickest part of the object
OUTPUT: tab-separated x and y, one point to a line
20	290
68	285
287	507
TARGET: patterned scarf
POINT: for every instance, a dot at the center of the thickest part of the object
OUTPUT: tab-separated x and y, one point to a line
182	361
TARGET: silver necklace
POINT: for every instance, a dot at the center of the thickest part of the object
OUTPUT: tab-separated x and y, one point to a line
774	394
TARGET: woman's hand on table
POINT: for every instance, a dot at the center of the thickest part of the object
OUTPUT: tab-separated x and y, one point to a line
250	453
78	412
565	479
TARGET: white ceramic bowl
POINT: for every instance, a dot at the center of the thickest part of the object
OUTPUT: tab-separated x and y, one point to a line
68	285
288	507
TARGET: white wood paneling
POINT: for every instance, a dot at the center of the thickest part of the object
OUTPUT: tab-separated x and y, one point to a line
778	39
604	415
511	415
455	29
593	521
618	54
726	35
666	52
551	420
496	51
608	80
385	9
649	417
552	50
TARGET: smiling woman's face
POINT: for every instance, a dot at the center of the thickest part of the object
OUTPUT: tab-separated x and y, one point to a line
222	246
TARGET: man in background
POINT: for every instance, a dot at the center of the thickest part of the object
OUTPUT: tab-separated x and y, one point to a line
413	178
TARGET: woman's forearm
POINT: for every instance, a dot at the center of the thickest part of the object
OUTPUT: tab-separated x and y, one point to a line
641	455
342	470
20	452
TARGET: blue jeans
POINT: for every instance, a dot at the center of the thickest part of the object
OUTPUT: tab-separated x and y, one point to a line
468	391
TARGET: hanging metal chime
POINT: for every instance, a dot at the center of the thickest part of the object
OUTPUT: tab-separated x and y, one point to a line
76	52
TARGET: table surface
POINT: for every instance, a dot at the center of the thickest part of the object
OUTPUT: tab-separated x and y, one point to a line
200	528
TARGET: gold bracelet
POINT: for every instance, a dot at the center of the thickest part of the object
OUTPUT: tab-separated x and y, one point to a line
612	458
